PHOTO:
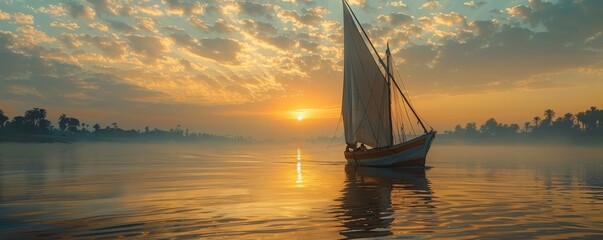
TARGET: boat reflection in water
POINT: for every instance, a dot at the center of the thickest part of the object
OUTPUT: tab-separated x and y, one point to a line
378	202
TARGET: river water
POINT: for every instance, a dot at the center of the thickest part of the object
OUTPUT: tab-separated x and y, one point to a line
297	190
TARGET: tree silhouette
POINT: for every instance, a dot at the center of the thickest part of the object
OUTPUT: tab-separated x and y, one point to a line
549	114
3	119
526	127
72	125
536	121
68	124
591	119
96	127
18	124
36	122
63	122
490	127
587	123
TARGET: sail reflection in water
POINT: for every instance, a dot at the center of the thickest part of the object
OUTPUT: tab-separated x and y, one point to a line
375	199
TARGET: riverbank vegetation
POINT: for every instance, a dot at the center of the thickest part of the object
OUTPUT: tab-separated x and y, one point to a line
33	126
585	125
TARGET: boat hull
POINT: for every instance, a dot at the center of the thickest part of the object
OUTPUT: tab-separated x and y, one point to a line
410	153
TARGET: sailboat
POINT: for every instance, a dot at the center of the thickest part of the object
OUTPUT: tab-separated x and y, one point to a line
374	105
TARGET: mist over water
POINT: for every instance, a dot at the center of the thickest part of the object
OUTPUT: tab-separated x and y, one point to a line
111	190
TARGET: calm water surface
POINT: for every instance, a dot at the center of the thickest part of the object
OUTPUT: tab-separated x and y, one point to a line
100	190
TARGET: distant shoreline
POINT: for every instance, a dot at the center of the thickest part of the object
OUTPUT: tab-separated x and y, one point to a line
35	139
440	139
517	140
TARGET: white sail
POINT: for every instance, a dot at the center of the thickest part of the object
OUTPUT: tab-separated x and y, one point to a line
365	107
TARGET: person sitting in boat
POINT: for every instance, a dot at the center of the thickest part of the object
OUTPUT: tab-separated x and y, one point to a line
362	148
351	147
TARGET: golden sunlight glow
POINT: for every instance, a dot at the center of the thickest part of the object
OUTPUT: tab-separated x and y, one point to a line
319	113
299	114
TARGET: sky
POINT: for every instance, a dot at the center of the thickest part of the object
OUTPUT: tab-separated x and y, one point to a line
251	67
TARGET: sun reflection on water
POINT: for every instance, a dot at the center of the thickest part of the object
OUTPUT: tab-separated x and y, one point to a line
300	178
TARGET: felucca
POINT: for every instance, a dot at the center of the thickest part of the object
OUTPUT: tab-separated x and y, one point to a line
374	106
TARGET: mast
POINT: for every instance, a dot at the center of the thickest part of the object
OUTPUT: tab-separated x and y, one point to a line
389	96
389	75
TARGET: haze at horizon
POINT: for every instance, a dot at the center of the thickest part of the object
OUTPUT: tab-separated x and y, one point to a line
253	67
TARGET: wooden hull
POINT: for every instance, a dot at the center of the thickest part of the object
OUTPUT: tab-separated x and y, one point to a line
409	153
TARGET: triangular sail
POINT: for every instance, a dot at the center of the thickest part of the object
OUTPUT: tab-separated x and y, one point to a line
366	106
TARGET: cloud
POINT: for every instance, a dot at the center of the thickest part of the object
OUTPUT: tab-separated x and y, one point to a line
81	11
432	4
29	78
57	10
25	19
450	19
357	2
121	26
186	7
218	49
105	6
498	57
473	4
585	16
396	18
255	50
265	35
4	15
261	28
596	41
222	27
519	11
70	26
146	24
110	47
198	23
255	9
399	4
308	18
98	26
151	48
484	28
154	10
32	36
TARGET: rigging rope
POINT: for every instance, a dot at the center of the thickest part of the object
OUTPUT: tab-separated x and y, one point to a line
335	133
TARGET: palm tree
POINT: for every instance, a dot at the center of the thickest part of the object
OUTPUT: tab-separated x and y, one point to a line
569	119
596	117
582	118
536	121
549	114
526	127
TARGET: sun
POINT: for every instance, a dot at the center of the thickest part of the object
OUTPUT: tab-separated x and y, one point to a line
300	117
